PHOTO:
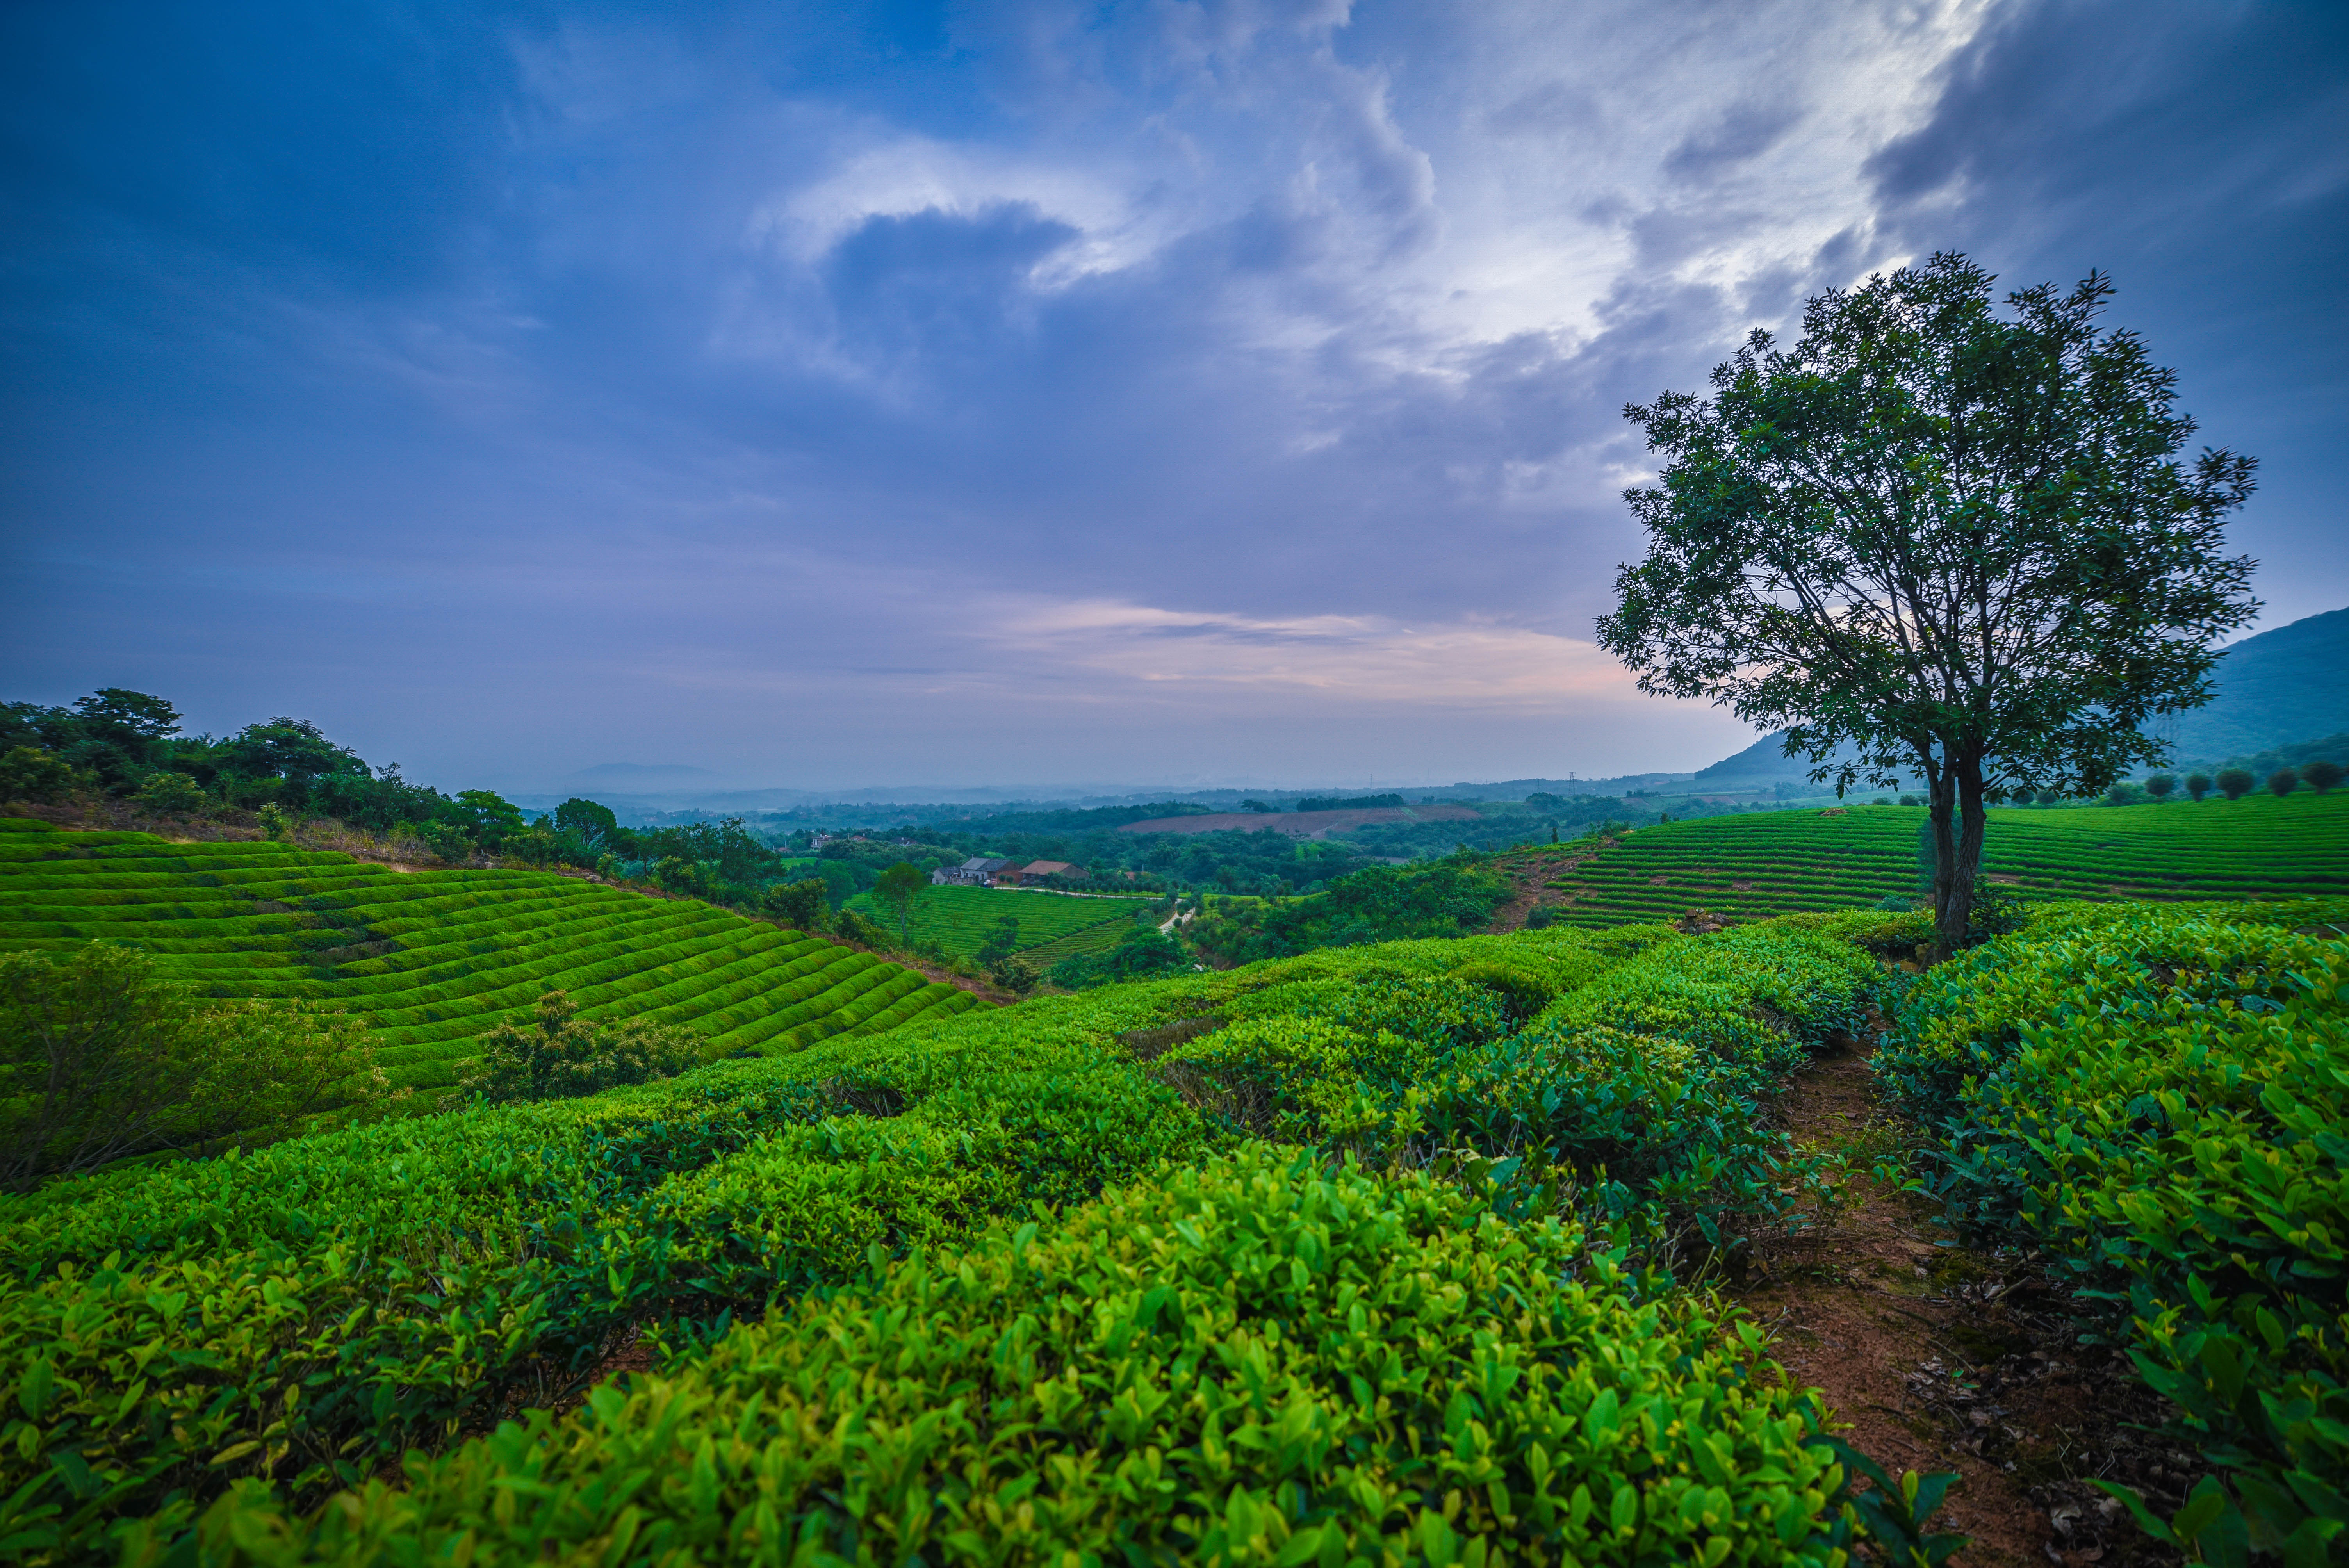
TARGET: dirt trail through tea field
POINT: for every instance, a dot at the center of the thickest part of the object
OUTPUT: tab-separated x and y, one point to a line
1947	1358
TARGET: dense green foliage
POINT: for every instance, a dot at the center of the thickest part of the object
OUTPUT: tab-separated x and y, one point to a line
1383	904
1313	1356
430	960
101	1058
1934	539
1142	950
1630	1099
1263	1360
1784	861
559	1056
2160	1099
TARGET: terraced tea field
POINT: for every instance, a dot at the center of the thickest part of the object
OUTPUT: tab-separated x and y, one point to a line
1052	926
1779	862
435	957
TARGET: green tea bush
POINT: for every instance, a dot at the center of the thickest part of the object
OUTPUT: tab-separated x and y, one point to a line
1264	1360
329	1302
2160	1099
1630	1099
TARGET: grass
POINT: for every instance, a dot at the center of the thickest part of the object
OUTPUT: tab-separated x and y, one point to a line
961	919
1783	862
434	958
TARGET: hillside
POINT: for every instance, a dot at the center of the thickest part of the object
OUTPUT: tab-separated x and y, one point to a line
2271	690
1779	862
435	957
1052	925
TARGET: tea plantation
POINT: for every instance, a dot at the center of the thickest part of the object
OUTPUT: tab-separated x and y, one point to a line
1357	1257
1779	862
434	958
1052	925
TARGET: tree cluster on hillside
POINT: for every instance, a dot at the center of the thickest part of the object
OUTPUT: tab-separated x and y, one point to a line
1384	903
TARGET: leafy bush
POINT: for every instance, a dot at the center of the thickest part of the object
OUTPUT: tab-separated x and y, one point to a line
2160	1099
41	776
1383	904
2198	785
1142	951
2282	781
1523	992
1262	1360
172	794
2322	774
560	1056
2235	783
803	905
101	1058
330	1301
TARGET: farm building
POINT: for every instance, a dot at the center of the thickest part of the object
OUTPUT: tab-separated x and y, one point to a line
1037	870
979	870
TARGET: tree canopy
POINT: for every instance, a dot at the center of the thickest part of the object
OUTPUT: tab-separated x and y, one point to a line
1958	542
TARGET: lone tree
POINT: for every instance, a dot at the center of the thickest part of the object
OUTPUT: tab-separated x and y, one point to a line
895	890
1936	539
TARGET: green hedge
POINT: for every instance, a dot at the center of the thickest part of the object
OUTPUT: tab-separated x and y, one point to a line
2160	1101
1265	1360
303	1312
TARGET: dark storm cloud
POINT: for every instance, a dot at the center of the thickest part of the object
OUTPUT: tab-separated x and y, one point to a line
2199	155
803	390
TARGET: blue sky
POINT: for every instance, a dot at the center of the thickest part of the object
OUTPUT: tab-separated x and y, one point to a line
827	395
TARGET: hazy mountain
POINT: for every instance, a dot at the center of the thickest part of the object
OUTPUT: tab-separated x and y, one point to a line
2281	686
2274	689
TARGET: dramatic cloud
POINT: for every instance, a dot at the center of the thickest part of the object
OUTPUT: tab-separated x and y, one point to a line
829	396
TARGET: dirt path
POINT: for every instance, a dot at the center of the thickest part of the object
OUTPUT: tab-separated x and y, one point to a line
1946	1358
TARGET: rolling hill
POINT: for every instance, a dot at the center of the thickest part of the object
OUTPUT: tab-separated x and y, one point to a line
433	958
2273	689
1780	862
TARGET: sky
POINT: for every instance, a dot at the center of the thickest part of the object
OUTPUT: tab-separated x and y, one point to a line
1184	391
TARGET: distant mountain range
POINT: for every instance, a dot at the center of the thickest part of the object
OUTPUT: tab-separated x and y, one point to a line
2279	687
2275	689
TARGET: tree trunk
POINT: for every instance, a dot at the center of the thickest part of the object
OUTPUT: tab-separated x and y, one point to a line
1941	790
1956	866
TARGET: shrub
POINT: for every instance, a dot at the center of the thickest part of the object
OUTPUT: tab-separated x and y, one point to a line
274	823
2235	783
1263	1360
800	905
2322	774
560	1056
861	928
30	773
2198	785
172	794
1013	974
1141	952
2158	1099
2283	781
101	1058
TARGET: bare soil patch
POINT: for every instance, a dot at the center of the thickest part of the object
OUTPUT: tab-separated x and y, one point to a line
1946	1356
